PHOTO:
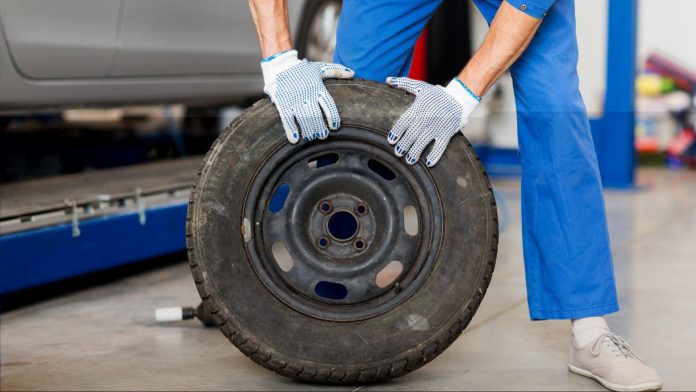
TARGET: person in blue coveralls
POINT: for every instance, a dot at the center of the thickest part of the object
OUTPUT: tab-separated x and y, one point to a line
568	261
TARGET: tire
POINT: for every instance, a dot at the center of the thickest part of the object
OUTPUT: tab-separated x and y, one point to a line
316	38
340	343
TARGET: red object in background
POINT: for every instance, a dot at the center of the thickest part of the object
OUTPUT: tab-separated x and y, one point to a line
684	79
419	65
682	142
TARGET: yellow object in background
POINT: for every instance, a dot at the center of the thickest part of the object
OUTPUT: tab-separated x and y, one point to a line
650	85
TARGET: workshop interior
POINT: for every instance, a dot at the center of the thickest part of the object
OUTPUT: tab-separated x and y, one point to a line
160	230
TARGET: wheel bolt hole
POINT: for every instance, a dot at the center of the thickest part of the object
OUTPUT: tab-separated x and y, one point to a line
325	207
323	242
361	209
359	244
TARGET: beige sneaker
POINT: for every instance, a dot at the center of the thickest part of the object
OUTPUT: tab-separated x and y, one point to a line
611	361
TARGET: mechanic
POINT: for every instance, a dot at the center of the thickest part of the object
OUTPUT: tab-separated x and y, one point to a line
568	262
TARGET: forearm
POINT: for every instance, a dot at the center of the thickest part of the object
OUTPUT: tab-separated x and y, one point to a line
272	26
508	37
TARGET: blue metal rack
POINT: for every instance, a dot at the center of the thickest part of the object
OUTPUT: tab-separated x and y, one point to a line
65	226
35	257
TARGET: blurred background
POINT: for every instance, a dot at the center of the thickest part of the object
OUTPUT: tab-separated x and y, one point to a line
106	107
94	84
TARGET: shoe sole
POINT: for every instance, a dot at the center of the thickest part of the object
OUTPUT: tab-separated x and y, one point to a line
649	386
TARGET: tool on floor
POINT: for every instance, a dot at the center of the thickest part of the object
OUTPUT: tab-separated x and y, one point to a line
165	315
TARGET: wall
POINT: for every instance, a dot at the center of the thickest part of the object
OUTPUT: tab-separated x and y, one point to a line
667	26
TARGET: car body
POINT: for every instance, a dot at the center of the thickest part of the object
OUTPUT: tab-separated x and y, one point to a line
75	53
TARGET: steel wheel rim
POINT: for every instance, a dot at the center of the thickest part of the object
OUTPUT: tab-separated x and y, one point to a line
321	40
352	187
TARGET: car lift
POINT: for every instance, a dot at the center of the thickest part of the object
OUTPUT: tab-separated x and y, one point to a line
64	226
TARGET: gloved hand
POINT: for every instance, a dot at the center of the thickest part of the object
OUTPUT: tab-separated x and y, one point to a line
437	114
297	89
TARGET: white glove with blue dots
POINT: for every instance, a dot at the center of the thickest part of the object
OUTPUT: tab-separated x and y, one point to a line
436	115
297	89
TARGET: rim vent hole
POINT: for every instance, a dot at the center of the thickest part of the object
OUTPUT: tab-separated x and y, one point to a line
389	274
383	171
410	220
323	160
331	290
279	197
282	256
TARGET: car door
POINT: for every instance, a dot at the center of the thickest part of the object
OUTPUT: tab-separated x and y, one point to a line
60	39
185	38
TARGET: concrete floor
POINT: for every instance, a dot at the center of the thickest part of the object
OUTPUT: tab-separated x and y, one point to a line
105	337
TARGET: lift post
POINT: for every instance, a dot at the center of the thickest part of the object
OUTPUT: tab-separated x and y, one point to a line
614	133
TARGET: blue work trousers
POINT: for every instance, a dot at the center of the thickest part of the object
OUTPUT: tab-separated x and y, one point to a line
568	263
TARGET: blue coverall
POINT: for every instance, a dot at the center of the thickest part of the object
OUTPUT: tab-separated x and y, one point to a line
568	262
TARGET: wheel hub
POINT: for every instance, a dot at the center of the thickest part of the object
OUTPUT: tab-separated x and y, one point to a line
342	226
343	229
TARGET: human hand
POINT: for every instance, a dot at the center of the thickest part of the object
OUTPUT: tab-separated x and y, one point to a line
436	115
297	89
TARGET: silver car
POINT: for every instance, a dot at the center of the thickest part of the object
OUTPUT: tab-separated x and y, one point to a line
70	53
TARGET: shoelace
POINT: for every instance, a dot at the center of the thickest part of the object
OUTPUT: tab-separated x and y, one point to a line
617	344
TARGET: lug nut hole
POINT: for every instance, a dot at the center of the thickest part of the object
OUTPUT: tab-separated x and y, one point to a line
359	244
361	209
323	242
325	206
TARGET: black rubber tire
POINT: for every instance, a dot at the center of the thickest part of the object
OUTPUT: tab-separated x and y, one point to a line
293	344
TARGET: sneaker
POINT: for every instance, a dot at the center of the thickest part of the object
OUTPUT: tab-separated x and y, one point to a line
612	362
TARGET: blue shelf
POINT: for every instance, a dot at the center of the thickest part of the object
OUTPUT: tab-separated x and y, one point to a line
35	257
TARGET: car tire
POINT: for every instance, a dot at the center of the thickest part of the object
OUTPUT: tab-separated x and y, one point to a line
286	328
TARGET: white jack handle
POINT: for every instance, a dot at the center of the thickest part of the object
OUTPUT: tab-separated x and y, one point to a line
164	315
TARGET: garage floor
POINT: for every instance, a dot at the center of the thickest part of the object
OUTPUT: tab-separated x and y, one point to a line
105	337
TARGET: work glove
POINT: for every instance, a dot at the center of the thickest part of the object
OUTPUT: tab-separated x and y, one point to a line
297	89
436	115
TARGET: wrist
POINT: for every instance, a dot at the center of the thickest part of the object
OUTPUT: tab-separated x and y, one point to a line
278	45
273	65
275	56
466	98
473	80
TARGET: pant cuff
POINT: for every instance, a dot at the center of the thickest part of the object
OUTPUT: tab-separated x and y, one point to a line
573	313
